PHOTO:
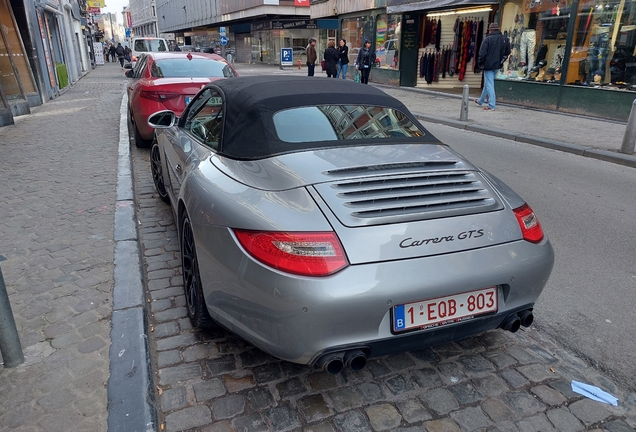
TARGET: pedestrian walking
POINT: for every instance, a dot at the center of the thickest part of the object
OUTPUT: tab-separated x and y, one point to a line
331	58
366	59
343	59
127	53
493	52
120	54
107	53
113	53
312	56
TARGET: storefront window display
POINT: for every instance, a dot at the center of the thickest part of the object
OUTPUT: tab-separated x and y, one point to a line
604	45
12	55
538	33
355	31
387	40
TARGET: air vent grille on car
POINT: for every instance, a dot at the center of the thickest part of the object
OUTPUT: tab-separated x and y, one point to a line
400	198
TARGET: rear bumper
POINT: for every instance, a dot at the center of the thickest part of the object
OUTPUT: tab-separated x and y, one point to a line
298	318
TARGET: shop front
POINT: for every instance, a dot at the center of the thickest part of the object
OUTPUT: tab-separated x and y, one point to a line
265	39
449	33
17	85
575	56
384	31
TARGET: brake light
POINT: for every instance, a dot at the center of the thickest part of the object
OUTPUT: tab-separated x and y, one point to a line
134	58
301	253
158	96
529	224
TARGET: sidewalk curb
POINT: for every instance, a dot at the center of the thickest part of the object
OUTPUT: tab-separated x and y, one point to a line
604	155
130	385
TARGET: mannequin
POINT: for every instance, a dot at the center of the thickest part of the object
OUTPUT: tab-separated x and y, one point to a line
528	42
597	54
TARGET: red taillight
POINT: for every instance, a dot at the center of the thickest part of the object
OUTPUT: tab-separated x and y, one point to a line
530	226
134	58
305	253
158	96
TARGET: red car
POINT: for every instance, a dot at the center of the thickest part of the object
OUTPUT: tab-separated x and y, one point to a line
167	81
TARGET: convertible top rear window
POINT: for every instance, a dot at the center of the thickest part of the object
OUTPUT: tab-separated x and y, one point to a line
342	122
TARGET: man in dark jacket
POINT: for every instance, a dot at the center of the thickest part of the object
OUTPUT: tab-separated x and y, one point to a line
494	50
120	54
312	56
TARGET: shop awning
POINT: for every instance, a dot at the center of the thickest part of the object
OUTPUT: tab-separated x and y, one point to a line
425	5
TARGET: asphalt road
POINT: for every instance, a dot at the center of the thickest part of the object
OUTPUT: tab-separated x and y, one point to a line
587	207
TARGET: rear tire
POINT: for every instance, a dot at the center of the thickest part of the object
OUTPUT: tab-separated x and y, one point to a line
139	141
157	172
195	302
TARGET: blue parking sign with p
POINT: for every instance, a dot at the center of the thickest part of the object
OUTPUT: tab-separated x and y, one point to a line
286	58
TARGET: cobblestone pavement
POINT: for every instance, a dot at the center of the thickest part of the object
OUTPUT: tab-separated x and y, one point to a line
213	381
58	171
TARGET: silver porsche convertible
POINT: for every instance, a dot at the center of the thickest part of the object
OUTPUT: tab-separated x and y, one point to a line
321	222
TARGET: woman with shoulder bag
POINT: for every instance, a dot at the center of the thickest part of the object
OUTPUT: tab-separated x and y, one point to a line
366	59
343	59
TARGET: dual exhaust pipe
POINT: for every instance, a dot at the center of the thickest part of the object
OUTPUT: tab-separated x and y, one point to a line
356	359
513	322
333	363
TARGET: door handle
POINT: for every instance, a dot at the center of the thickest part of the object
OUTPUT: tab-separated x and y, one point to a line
178	168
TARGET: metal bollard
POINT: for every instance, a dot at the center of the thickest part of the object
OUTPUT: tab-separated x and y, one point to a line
463	114
9	340
629	139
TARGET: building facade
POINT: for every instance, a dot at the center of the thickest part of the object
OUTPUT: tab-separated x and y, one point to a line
143	14
43	50
255	30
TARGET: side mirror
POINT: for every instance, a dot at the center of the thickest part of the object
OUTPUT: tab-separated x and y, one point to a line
130	73
162	120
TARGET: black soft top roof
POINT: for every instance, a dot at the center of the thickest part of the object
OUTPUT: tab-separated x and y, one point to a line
251	102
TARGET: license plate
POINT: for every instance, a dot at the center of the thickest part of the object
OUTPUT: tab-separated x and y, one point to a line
444	310
188	99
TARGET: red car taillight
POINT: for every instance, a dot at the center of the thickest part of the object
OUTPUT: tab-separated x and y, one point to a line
158	96
305	253
530	226
134	58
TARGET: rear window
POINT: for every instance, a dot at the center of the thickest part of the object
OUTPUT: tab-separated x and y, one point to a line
149	45
195	68
343	122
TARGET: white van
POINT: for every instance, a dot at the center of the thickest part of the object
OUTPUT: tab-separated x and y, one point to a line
140	45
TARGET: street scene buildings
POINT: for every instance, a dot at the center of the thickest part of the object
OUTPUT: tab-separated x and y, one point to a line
90	254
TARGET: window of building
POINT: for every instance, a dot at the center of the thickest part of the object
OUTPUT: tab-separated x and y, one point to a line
387	40
538	34
604	45
355	31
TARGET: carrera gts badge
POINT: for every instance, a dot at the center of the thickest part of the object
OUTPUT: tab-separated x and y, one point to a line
409	242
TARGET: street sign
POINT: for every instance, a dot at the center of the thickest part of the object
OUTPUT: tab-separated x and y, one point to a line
222	31
223	40
286	57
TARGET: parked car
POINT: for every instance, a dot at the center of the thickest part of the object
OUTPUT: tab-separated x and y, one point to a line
189	48
299	53
387	52
321	222
142	45
168	81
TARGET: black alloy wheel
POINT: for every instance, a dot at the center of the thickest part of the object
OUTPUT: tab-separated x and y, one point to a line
157	172
195	302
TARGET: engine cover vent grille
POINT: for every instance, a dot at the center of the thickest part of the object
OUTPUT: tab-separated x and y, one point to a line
401	198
